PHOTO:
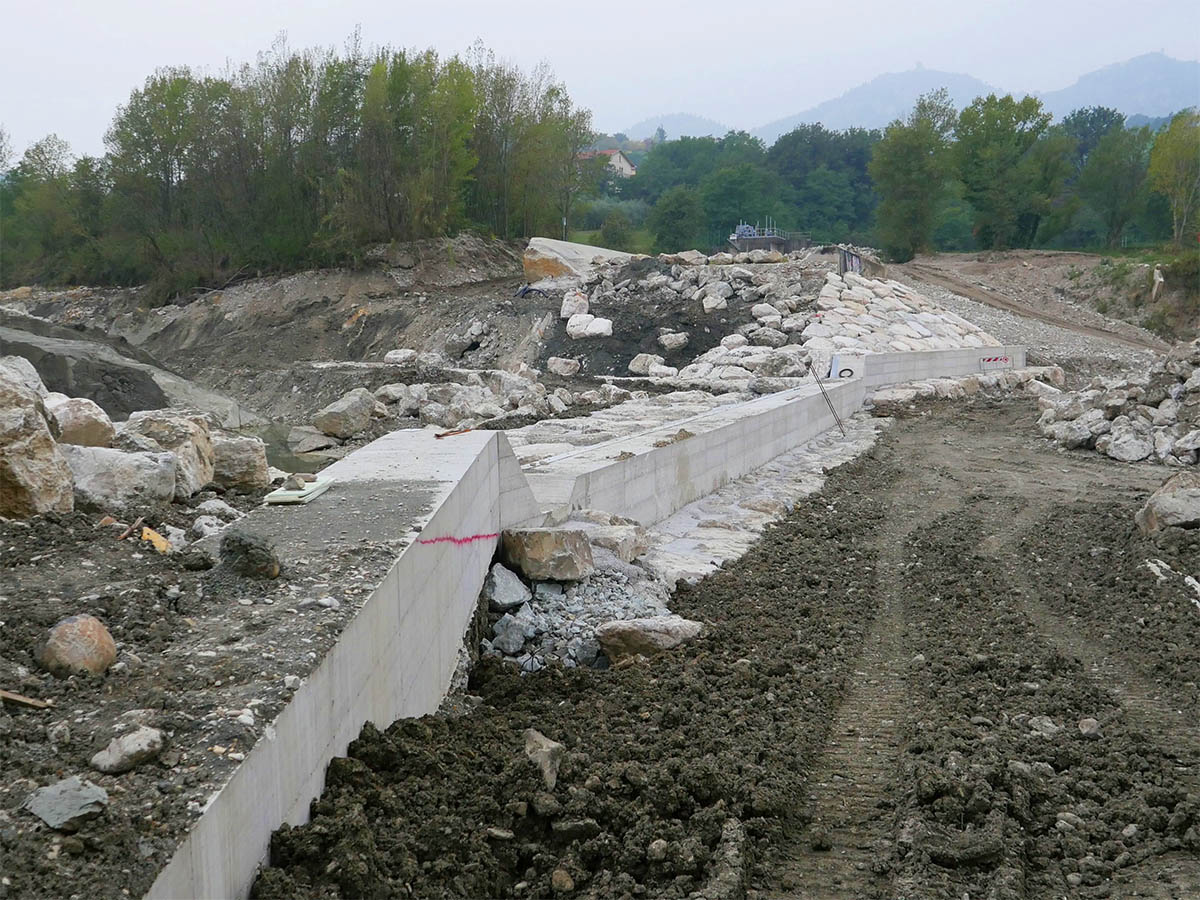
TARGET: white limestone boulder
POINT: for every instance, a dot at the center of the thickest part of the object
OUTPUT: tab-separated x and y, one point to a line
80	421
574	302
34	475
548	554
187	437
116	481
240	462
563	366
1176	504
641	364
22	370
347	416
675	340
630	637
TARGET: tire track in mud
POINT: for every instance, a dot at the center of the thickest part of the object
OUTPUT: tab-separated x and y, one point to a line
836	856
1146	705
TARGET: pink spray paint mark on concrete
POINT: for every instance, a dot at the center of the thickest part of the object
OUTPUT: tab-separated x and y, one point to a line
459	541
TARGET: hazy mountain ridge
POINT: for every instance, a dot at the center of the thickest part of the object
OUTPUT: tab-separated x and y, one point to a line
1144	88
676	125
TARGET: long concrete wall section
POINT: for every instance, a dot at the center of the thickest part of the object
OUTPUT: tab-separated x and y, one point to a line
650	475
881	369
394	658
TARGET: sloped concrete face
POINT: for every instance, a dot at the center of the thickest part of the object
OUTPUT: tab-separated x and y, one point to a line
879	369
650	475
442	500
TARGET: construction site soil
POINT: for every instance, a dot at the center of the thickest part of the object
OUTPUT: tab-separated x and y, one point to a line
890	700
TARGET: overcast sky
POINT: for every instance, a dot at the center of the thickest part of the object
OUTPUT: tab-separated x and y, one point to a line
66	64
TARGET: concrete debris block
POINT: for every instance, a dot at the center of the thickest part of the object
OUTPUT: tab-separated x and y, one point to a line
34	475
21	370
673	340
115	481
574	302
187	437
631	637
1090	729
660	371
401	357
1176	504
562	366
504	590
68	804
347	416
640	364
240	462
734	341
549	554
248	554
546	754
77	645
721	259
80	421
129	750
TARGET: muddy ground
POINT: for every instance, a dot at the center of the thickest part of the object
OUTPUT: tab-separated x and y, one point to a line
887	699
203	655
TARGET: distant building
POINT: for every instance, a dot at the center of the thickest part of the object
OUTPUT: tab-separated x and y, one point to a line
617	161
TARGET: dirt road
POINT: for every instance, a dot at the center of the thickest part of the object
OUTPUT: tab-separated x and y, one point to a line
888	699
936	271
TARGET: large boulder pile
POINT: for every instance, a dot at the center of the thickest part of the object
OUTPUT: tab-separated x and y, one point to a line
479	397
861	314
714	282
1153	416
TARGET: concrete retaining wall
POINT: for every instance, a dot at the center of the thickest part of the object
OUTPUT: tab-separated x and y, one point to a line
395	657
879	369
652	482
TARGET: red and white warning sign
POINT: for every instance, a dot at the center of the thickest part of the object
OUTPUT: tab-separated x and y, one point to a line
988	363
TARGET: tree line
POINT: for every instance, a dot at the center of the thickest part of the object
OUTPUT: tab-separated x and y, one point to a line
299	159
308	158
996	175
1011	178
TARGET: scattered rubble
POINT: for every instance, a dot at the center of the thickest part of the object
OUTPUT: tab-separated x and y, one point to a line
1152	416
